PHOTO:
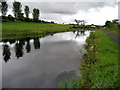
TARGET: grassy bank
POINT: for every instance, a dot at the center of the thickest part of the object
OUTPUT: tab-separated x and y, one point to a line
13	30
100	65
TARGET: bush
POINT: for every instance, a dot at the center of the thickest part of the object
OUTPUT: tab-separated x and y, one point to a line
10	18
27	19
4	18
112	25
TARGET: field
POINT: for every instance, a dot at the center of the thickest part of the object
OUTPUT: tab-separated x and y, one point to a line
14	30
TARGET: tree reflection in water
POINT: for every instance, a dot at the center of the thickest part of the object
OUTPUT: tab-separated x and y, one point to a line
19	50
77	34
82	32
12	41
28	46
6	52
36	43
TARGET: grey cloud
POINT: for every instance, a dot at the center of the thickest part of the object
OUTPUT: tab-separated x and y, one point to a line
66	7
57	8
63	7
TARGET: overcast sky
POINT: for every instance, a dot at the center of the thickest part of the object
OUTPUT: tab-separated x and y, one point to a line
65	12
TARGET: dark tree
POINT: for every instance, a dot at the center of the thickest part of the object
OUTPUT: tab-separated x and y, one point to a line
10	17
77	21
107	23
36	14
26	10
4	7
17	10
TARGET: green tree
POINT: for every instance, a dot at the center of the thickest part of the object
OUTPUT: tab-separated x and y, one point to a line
112	25
26	10
36	14
108	23
4	7
17	10
115	21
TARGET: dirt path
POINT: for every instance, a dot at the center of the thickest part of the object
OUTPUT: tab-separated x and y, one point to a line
114	37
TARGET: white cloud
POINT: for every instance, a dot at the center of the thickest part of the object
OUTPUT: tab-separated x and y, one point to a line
98	16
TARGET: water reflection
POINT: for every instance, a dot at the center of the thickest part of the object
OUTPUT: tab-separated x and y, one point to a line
79	32
36	43
43	62
28	46
19	47
6	52
12	41
66	75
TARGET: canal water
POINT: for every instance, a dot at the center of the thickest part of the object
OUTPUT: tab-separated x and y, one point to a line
42	62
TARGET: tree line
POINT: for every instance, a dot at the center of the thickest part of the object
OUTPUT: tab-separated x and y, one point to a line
18	15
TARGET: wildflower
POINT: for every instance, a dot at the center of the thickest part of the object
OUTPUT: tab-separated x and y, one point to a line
100	84
105	80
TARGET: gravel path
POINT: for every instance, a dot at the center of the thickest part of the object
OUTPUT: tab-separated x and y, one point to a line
114	37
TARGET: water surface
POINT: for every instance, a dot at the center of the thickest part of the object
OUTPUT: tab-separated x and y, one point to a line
42	62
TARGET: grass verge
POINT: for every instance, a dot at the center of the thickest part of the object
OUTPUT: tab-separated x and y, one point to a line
99	67
101	62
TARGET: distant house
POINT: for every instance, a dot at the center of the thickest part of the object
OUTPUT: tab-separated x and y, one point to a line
96	26
93	26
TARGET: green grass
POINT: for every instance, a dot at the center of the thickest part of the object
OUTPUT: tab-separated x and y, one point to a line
13	30
104	72
113	27
106	67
